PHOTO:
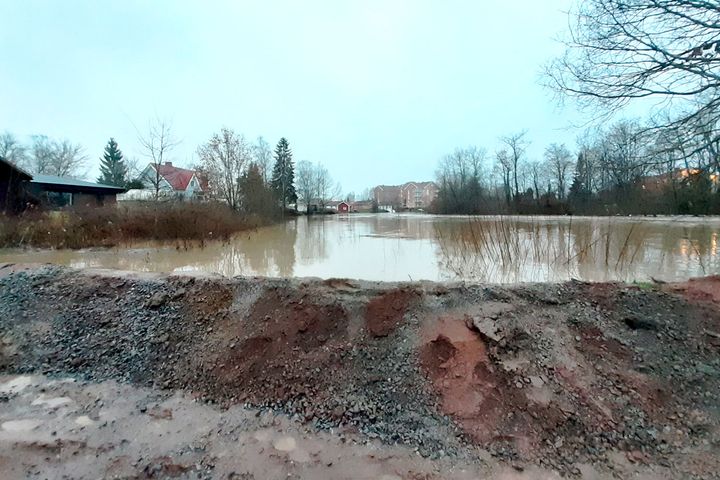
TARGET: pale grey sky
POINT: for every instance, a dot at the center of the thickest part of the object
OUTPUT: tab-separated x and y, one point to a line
377	90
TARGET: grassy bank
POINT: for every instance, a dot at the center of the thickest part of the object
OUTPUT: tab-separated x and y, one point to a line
115	225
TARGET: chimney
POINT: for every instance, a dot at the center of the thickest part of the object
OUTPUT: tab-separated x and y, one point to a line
168	164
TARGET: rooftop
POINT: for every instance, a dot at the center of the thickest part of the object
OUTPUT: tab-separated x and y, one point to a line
177	177
11	166
74	183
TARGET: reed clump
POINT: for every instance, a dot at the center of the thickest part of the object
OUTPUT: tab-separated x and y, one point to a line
492	247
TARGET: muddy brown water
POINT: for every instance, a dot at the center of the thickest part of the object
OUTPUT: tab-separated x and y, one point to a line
396	247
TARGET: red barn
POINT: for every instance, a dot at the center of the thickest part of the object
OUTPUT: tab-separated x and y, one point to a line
343	207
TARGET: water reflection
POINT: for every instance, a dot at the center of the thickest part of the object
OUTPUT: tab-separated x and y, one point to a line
264	252
413	247
516	249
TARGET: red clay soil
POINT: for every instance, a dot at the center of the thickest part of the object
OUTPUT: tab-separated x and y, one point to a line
543	384
704	289
385	312
287	346
556	375
476	392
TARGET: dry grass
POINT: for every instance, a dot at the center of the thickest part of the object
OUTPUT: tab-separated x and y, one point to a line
109	226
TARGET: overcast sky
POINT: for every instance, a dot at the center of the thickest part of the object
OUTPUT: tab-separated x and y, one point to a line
377	90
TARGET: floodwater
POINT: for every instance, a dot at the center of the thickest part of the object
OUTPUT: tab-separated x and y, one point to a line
404	247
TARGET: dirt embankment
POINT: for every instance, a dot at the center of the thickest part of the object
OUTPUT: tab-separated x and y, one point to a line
580	379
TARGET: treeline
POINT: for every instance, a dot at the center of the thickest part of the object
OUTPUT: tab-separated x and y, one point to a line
63	158
315	186
250	177
626	168
616	52
240	174
43	155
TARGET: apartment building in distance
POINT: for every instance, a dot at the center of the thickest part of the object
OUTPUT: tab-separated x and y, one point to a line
408	196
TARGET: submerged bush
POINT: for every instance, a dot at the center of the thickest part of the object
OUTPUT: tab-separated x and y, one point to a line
113	225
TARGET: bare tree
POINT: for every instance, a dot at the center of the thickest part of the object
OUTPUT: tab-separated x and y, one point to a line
306	183
367	194
224	158
67	158
698	142
62	158
588	163
134	168
157	143
559	161
12	150
326	189
536	171
620	50
622	153
516	145
460	178
40	154
263	155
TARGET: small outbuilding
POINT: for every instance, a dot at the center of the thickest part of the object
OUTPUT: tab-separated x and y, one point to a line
54	191
343	207
18	189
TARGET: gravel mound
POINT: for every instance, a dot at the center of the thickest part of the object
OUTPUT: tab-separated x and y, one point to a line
555	375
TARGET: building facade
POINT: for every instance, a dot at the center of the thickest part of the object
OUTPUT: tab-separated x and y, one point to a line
173	181
408	196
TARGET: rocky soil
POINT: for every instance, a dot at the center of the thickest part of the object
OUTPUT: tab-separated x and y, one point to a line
578	380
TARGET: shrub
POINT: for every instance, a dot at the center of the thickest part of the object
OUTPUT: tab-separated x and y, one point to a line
113	225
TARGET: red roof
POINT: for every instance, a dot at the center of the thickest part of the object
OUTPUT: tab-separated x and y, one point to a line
178	178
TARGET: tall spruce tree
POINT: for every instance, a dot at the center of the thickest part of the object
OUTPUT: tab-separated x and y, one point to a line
257	198
113	170
283	176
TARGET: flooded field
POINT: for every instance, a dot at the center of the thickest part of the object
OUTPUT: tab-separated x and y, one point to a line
425	247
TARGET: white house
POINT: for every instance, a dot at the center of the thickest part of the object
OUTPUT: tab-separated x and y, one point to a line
174	181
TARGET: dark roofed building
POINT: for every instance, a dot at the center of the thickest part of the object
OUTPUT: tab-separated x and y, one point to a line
63	191
19	188
12	182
